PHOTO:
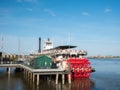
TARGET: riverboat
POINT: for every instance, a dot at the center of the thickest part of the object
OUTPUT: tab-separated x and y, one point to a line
68	58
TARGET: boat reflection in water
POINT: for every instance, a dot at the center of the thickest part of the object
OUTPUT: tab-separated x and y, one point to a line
77	84
82	84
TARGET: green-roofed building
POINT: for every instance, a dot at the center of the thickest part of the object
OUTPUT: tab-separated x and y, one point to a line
42	62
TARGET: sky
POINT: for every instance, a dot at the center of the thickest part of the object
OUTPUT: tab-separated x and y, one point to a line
91	25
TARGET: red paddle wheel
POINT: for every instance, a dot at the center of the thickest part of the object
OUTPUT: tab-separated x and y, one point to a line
80	67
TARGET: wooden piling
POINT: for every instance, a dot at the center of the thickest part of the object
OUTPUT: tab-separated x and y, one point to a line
28	79
63	78
57	75
69	78
8	70
33	77
24	73
37	79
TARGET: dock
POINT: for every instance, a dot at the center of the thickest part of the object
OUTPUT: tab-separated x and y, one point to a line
34	74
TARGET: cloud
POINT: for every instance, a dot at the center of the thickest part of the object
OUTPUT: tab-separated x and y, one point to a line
107	10
85	13
49	11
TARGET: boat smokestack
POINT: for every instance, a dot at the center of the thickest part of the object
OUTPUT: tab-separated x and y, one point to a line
39	45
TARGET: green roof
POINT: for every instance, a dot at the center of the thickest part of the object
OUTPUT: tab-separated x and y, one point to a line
42	62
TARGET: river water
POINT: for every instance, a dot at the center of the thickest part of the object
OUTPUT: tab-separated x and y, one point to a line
106	77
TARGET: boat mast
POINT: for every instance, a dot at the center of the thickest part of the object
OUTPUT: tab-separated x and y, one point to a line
39	51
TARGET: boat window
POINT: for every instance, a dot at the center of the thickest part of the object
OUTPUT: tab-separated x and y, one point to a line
73	55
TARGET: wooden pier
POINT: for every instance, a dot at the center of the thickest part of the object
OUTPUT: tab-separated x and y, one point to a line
32	74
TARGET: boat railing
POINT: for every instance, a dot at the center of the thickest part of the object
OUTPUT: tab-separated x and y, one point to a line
65	51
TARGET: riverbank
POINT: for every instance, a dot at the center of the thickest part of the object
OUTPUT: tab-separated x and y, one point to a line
103	57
